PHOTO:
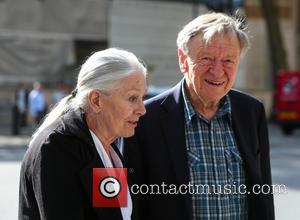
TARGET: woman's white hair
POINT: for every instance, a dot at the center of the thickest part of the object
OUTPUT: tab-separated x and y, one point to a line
103	71
208	25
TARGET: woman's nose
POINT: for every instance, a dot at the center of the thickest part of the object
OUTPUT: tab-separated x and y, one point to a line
141	108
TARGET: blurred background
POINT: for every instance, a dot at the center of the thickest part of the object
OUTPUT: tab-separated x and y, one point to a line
43	43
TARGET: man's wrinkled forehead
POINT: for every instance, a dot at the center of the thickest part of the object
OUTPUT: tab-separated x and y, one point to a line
228	40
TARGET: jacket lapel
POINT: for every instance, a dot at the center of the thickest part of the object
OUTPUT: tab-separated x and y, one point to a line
173	127
244	131
75	125
86	177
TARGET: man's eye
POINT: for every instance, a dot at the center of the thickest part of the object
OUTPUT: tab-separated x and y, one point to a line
206	60
228	62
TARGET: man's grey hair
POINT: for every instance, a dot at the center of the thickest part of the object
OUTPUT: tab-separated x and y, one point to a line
210	24
104	70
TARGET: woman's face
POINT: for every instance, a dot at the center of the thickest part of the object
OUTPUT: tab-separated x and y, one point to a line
122	108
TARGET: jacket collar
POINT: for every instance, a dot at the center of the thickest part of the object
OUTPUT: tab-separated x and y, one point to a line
74	124
172	120
173	126
245	136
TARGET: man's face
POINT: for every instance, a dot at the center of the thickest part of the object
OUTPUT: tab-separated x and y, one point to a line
210	70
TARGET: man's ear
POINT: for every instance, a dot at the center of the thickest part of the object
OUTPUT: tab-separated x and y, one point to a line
94	100
182	59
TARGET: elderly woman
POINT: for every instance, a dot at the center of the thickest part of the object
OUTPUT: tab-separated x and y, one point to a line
78	135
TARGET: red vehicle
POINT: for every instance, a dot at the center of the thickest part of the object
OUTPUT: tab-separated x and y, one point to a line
287	101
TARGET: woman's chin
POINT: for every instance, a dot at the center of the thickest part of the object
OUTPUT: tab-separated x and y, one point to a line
128	133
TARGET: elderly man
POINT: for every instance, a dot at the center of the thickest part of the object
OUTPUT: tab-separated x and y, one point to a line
203	145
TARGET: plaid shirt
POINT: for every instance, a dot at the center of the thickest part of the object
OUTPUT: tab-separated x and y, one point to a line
214	161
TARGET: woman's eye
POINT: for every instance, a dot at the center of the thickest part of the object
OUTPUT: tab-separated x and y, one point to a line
133	99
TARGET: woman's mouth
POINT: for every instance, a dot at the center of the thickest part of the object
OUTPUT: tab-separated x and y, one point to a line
134	123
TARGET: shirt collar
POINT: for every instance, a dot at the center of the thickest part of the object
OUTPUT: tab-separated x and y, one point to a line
114	161
188	107
223	110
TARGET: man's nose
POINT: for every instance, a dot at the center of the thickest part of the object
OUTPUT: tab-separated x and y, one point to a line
217	68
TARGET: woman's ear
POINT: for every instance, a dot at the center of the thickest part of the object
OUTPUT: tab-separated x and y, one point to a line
182	61
94	100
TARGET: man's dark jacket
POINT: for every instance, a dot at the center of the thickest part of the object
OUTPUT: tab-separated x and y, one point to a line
157	154
56	174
